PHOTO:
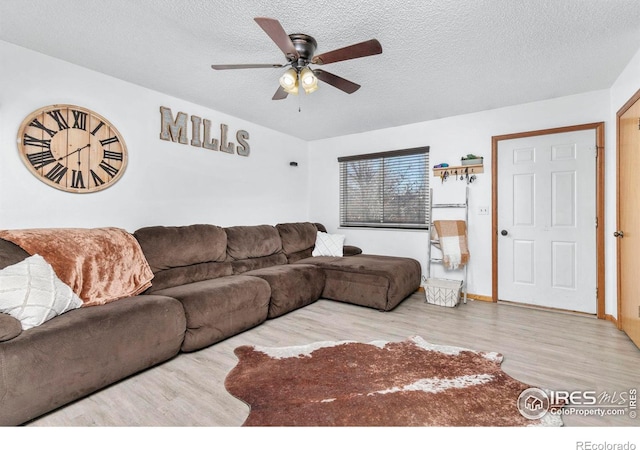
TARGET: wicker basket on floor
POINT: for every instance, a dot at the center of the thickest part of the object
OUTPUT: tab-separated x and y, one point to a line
443	292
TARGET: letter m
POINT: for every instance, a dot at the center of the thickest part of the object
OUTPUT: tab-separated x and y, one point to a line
173	130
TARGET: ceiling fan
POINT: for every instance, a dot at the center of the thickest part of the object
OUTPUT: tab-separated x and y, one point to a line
299	50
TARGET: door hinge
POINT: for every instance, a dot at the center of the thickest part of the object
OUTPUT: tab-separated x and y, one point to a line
596	222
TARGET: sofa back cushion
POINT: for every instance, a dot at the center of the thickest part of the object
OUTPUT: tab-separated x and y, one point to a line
184	254
298	239
168	247
254	247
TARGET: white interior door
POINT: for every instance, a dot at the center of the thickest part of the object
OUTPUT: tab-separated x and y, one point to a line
547	220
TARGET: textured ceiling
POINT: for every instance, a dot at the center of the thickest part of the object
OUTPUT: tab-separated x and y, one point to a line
440	57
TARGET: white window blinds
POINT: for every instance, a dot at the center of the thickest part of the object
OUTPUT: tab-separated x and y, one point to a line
388	189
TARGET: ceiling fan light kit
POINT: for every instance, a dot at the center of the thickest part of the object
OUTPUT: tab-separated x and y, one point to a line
308	80
289	81
299	51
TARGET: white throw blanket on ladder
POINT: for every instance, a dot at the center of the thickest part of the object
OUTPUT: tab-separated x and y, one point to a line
452	237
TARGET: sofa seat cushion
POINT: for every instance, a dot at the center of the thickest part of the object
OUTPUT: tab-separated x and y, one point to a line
292	286
377	281
84	350
220	308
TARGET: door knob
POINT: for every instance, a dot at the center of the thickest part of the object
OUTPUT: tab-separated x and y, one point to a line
618	234
504	232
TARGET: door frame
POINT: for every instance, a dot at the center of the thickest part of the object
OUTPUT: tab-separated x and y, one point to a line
600	267
634	98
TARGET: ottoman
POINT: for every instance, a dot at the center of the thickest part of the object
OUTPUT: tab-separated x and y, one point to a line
376	281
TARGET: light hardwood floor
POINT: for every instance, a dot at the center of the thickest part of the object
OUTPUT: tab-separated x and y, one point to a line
542	348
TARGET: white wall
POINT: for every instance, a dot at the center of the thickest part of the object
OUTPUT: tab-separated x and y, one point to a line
165	183
449	139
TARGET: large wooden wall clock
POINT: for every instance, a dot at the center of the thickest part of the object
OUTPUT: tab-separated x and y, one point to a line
72	148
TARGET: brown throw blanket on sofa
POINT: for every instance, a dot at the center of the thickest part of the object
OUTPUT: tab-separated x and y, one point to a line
100	264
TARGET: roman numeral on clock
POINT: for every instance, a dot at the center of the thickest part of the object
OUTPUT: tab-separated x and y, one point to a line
79	119
108	141
117	156
56	173
41	159
97	128
35	142
112	171
76	179
37	124
96	179
59	118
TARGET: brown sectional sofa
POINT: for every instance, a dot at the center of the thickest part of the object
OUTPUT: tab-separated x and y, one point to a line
209	283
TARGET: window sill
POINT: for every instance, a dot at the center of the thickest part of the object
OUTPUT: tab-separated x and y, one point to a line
381	228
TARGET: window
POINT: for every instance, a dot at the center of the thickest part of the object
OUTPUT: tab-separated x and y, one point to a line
389	189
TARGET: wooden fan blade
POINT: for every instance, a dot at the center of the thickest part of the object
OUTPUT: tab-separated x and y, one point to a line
336	81
280	94
245	66
277	34
367	48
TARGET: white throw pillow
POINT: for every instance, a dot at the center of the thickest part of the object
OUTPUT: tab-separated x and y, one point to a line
328	244
31	292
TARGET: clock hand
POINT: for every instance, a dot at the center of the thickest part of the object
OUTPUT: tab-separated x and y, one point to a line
75	151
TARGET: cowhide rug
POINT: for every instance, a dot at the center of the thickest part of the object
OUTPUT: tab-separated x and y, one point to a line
408	383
